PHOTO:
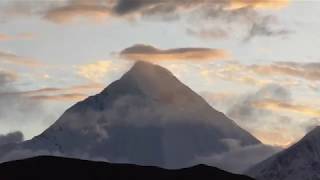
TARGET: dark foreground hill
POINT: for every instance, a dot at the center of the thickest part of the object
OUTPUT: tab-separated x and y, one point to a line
58	168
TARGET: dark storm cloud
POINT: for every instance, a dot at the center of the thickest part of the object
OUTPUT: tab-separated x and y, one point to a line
128	6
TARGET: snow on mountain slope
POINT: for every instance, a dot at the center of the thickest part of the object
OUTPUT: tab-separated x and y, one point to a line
147	117
299	162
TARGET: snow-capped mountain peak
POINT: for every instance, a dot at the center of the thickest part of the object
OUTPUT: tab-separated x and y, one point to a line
147	117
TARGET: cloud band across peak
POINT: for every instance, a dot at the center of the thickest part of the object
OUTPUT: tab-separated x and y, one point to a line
150	53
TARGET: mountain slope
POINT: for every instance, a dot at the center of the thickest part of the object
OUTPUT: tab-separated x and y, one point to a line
300	161
53	168
147	117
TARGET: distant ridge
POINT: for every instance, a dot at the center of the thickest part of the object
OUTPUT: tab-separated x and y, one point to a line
301	161
54	168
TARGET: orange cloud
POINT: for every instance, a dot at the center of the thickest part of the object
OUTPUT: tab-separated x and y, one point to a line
86	87
77	88
259	4
228	12
94	71
288	74
4	37
78	10
72	93
61	97
308	71
274	137
233	72
21	36
279	106
217	97
149	53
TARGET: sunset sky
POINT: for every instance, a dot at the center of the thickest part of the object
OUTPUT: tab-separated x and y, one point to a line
255	60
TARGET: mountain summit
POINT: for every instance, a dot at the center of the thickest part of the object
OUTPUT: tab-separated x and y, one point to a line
151	81
147	117
300	161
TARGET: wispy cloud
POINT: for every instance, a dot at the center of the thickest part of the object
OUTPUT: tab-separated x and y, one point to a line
308	71
78	9
60	97
274	107
239	158
76	88
208	33
72	93
11	58
143	7
275	135
235	72
262	28
58	11
284	73
259	4
273	99
150	53
21	36
239	12
94	71
16	108
279	106
7	77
